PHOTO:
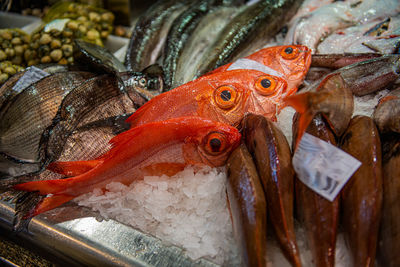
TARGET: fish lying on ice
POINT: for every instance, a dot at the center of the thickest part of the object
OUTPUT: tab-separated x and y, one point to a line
156	148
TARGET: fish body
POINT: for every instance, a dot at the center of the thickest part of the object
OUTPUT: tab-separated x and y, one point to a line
223	96
150	33
248	31
272	156
153	149
319	216
387	113
362	194
389	236
290	62
248	207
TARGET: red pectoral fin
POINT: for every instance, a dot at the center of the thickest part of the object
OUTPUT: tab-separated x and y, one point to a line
44	187
73	168
49	203
159	169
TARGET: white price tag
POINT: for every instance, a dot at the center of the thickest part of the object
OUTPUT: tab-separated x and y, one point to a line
57	24
323	167
32	75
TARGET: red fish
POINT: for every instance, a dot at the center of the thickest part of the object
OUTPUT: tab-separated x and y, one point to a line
156	148
290	62
223	96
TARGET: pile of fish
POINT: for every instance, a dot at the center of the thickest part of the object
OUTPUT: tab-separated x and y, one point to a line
65	130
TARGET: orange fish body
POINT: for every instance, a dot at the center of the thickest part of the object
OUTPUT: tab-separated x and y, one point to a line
157	148
223	96
290	62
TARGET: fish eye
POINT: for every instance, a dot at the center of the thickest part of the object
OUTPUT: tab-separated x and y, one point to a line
142	82
290	52
266	85
215	143
225	96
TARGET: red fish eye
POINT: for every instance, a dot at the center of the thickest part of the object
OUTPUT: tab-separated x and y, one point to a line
215	143
266	85
290	52
225	97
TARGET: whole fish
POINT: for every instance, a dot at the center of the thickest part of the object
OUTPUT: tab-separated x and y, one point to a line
248	207
362	194
223	96
157	148
332	98
248	31
290	62
23	120
387	113
271	152
199	41
180	31
337	61
319	216
150	33
389	236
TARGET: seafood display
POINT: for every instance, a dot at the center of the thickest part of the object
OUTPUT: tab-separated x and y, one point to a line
204	93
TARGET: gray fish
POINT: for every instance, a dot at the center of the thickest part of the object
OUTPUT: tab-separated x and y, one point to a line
203	36
150	33
180	31
24	119
248	31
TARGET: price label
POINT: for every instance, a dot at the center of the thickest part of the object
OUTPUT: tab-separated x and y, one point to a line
323	167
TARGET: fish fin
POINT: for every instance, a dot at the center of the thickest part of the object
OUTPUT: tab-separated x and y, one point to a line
301	103
123	138
44	187
73	168
166	168
49	203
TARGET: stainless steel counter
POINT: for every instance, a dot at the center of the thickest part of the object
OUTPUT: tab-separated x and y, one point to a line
73	234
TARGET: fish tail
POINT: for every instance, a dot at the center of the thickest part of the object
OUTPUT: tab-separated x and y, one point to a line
44	187
49	203
73	168
302	104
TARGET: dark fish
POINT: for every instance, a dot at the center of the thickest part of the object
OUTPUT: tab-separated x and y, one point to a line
23	120
387	113
99	58
247	206
319	216
179	33
272	156
372	75
389	236
337	61
332	98
248	31
150	33
362	195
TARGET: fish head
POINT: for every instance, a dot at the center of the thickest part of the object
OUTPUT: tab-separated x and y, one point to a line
212	144
290	62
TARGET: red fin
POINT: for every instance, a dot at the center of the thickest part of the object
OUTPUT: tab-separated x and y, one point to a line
44	187
304	121
300	102
49	203
168	169
387	98
73	168
136	115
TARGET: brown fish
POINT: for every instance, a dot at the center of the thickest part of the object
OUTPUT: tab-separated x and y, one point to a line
389	236
247	206
387	113
271	153
318	215
362	195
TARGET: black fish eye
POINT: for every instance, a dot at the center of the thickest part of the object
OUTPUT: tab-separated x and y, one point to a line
289	50
215	144
265	83
226	95
142	81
